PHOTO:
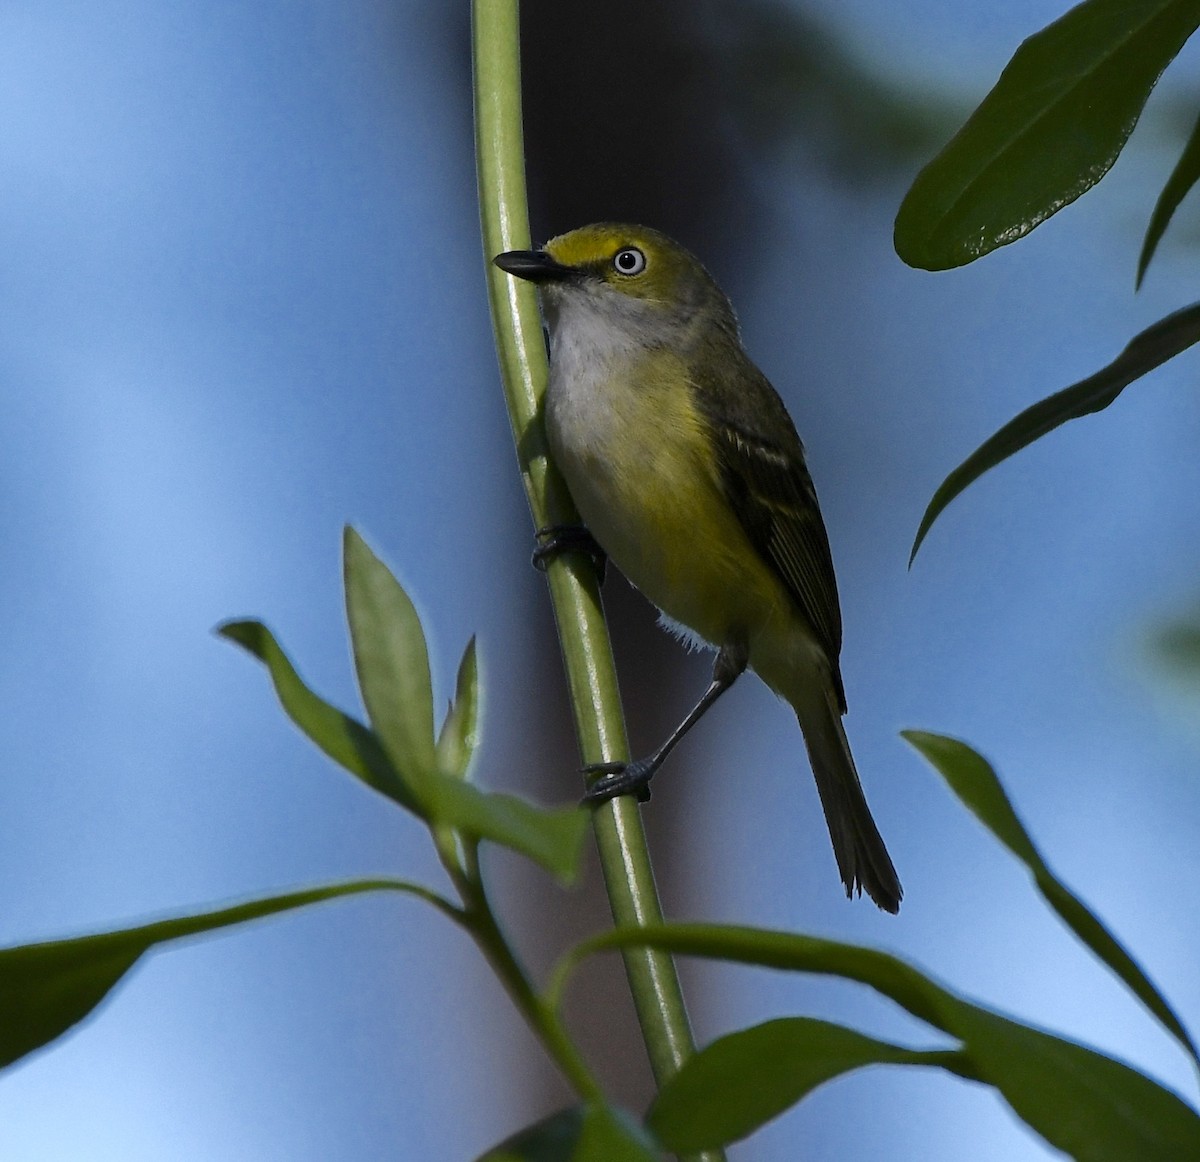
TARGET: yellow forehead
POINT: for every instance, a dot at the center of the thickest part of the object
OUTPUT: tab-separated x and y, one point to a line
600	241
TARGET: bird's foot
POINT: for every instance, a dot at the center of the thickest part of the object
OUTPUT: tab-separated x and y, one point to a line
619	779
557	539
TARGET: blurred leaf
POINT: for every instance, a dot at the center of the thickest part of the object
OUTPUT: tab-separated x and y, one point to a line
553	1139
1051	128
1179	645
1145	351
342	738
551	837
1080	1101
47	988
1185	175
784	73
974	781
579	1134
460	731
392	662
610	1135
740	1082
393	674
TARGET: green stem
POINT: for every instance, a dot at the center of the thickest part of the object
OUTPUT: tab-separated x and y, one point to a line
587	653
542	1017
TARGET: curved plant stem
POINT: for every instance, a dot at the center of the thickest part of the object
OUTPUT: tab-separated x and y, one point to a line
542	1016
587	654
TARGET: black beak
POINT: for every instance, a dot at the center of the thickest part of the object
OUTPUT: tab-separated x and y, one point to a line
534	265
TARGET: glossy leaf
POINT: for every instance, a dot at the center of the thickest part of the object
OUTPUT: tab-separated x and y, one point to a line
579	1134
974	781
1146	351
740	1082
1051	128
391	660
46	989
1185	175
1084	1103
343	738
460	730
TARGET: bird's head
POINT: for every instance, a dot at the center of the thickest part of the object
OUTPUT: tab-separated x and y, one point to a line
632	274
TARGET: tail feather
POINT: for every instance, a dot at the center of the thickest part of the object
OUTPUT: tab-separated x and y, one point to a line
862	858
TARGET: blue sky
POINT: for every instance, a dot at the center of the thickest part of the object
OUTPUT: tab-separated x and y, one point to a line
243	305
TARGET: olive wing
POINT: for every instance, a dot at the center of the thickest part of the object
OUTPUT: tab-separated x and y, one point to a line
769	488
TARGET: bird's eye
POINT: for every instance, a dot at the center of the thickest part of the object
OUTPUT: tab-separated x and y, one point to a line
630	260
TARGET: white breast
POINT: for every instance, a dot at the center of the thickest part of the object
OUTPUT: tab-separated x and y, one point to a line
596	338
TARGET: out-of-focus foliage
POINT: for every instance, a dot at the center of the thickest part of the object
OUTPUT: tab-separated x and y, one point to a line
1178	645
1052	127
1049	130
1144	352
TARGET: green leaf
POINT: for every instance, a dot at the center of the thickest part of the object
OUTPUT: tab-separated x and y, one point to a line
1185	175
553	1139
1079	1100
551	837
460	731
1051	128
974	781
592	1133
393	672
740	1082
46	989
1178	647
611	1135
392	662
1146	351
342	738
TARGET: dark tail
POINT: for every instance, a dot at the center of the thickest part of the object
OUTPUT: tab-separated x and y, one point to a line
862	858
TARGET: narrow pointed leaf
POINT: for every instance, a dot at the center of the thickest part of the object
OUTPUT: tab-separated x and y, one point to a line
1185	175
391	660
1146	351
46	989
1051	128
579	1134
740	1082
1084	1103
343	738
460	731
551	837
974	781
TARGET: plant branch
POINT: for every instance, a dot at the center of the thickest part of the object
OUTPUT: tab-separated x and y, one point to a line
574	591
543	1018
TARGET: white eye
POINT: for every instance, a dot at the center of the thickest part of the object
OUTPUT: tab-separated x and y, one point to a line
630	260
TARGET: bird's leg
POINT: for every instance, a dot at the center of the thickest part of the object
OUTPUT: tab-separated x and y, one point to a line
634	777
555	539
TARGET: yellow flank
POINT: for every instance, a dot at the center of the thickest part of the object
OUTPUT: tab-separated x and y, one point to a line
644	479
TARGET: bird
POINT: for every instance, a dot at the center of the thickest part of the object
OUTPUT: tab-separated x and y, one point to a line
687	471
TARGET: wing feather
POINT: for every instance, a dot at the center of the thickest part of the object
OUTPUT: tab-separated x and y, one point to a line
769	488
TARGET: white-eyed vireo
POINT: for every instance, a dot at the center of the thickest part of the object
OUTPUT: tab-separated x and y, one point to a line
688	472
